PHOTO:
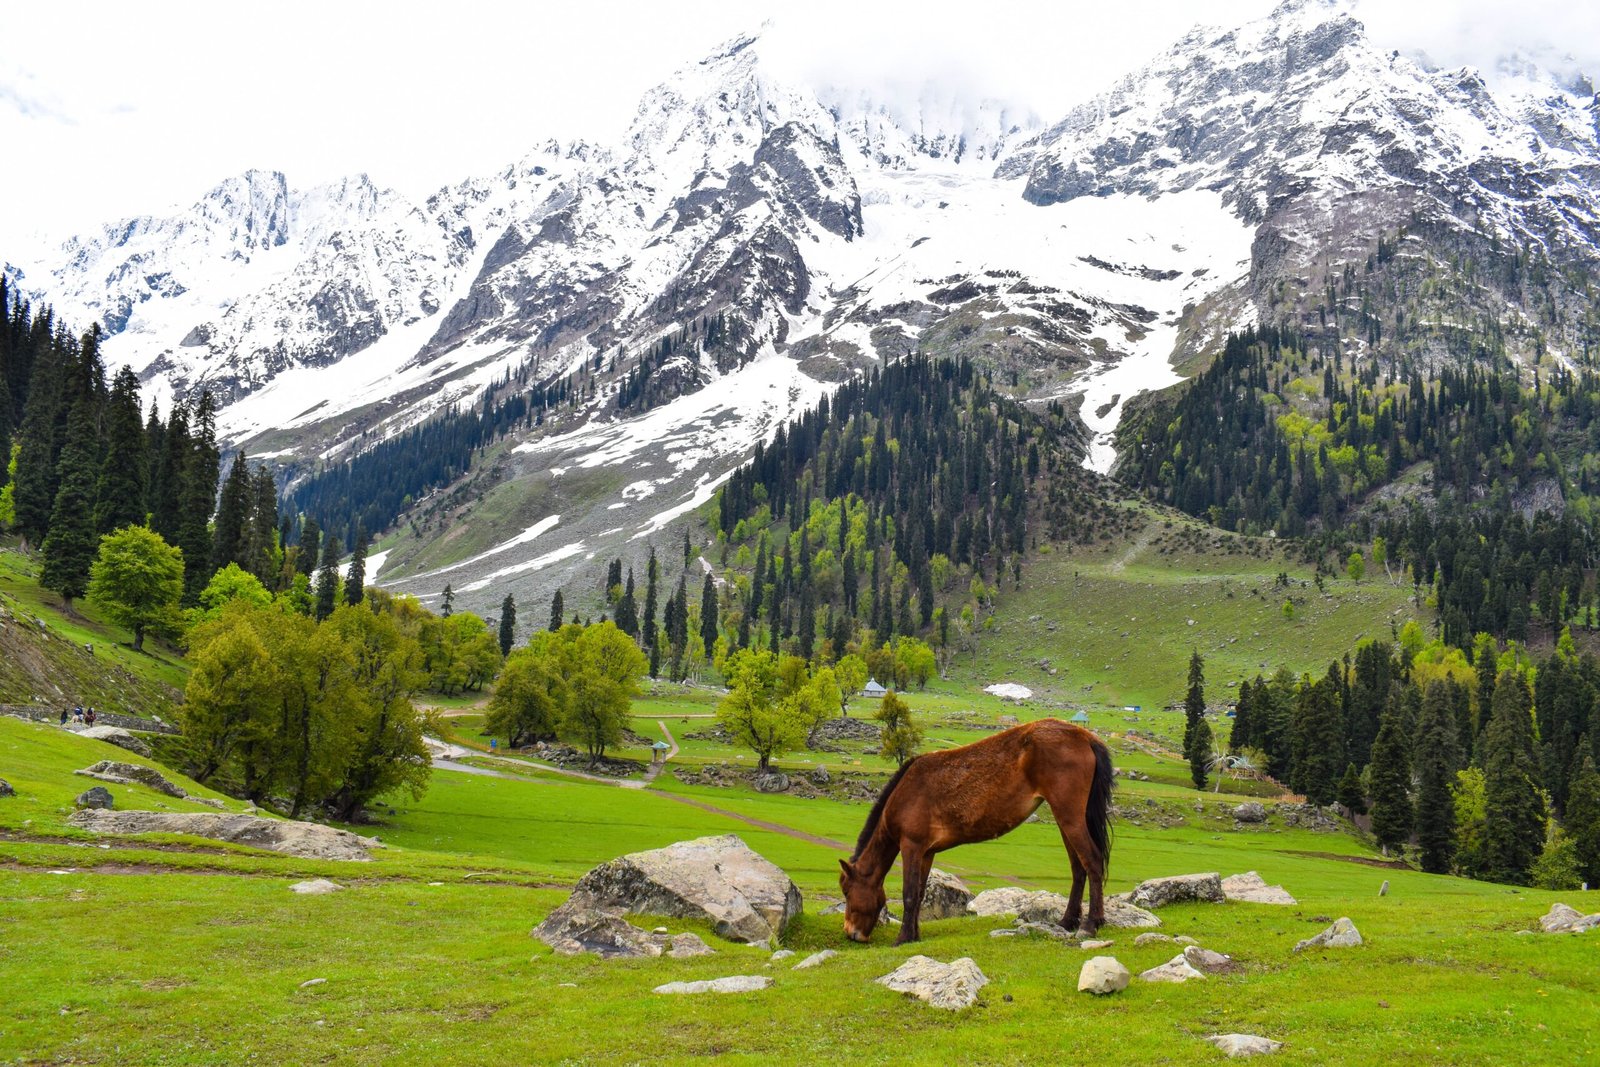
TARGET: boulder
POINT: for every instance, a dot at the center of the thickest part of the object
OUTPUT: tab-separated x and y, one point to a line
1251	888
951	986
1177	969
1250	812
116	735
307	840
816	959
1179	889
5	789
1342	934
1237	1045
1207	962
739	983
1150	939
1051	930
1562	919
718	879
687	945
119	773
1102	975
946	896
771	782
1185	939
1122	914
575	928
95	797
1010	900
316	887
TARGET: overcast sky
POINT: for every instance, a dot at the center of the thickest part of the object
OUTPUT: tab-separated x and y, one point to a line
111	109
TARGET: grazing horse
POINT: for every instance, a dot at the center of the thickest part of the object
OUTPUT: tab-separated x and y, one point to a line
977	792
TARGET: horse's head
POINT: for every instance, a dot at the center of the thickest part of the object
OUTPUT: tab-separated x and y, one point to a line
864	901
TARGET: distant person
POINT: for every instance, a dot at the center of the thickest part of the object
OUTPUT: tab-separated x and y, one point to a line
77	713
492	744
65	715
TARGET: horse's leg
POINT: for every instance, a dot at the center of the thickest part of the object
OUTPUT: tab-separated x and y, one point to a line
914	882
1086	861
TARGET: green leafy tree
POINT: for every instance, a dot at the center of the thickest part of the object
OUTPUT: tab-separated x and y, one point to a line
851	673
530	696
8	491
1557	865
917	659
1435	749
602	681
755	712
900	736
1514	814
231	583
1356	567
1468	795
137	580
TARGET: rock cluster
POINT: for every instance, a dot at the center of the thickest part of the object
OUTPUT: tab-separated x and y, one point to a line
951	986
1562	919
1043	907
308	840
119	773
1250	812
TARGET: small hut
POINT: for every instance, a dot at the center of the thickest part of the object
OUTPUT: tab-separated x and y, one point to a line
1081	718
873	689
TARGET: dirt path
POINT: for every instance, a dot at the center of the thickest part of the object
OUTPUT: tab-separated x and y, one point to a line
655	769
1141	543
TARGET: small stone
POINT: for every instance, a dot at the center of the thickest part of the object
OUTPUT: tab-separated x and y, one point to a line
5	789
97	796
1237	1045
311	982
1091	946
782	954
739	983
315	887
1185	939
1043	930
1150	939
1177	969
685	946
659	930
1383	890
951	986
816	959
1102	975
1342	934
1207	962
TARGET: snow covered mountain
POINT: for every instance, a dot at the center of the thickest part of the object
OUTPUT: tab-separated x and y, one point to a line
751	239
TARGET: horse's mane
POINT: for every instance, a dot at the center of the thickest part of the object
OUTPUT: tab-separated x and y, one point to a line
876	814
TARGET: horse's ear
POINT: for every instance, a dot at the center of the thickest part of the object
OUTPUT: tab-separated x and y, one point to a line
845	864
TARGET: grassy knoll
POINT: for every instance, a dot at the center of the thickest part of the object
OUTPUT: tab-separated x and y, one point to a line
164	965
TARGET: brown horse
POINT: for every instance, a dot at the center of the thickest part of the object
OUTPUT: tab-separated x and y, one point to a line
975	793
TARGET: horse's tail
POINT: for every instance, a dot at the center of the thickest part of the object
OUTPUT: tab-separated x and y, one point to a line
1098	815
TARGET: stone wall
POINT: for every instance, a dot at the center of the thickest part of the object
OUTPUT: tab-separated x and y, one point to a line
38	713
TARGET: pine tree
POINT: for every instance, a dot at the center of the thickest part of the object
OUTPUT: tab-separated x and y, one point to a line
263	533
120	494
328	578
1194	715
688	549
508	624
1514	816
627	610
1239	736
199	499
447	606
647	628
171	467
1350	795
310	548
1583	817
355	584
1200	754
233	513
708	616
35	490
1390	770
70	546
557	612
1435	752
1320	735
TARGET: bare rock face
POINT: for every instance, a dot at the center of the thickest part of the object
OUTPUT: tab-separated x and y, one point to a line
1102	975
951	986
720	879
95	798
1240	1045
116	735
1179	889
1251	888
119	773
1342	934
946	896
305	839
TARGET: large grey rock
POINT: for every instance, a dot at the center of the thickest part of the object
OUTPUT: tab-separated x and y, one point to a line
5	789
1177	969
1240	1045
1102	975
771	782
95	797
1010	900
1563	919
116	735
1250	812
308	840
1052	930
1129	917
1251	888
951	986
576	928
738	983
119	773
685	946
946	896
1178	889
1342	934
720	879
1150	939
